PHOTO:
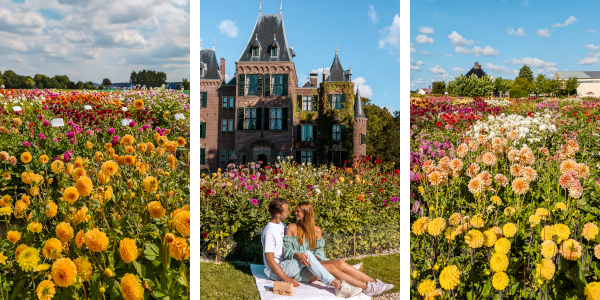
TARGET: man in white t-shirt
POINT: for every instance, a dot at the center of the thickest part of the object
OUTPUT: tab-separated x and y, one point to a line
292	271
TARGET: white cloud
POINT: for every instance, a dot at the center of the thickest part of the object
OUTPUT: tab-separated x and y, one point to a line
566	70
568	22
423	39
538	71
516	72
412	48
477	51
417	82
591	47
437	70
228	77
320	74
518	32
426	30
228	27
372	14
96	39
458	40
365	90
497	68
544	32
534	62
447	55
592	31
589	60
414	65
391	34
425	52
457	69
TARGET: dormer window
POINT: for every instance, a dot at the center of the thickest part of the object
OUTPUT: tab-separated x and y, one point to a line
273	51
255	51
201	72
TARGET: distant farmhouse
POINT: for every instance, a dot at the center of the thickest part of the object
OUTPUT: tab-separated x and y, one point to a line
589	81
477	70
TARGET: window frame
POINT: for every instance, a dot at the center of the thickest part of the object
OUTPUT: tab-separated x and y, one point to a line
306	156
231	103
255	51
224	103
249	85
274	51
272	120
307	100
230	125
248	119
310	132
223	155
339	101
337	133
223	124
274	85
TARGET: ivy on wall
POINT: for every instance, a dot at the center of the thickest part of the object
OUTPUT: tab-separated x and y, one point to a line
328	116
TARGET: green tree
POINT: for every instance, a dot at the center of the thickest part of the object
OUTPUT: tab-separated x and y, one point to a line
383	132
471	86
571	85
439	87
11	80
540	85
526	73
88	85
106	81
521	84
149	78
502	84
186	84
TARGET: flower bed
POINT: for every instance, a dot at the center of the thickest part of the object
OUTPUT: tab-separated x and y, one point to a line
510	208
234	204
95	205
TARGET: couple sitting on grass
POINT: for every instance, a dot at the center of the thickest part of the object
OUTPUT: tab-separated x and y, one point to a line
296	254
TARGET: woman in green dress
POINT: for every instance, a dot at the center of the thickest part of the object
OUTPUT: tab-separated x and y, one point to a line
305	235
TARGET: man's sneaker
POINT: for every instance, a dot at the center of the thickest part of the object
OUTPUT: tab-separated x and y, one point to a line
346	290
375	288
389	286
358	266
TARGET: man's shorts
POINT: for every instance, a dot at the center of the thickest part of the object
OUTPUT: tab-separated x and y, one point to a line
294	269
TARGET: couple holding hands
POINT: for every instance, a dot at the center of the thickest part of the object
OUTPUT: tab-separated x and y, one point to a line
296	254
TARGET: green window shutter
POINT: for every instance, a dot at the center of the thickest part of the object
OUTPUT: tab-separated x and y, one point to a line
284	118
202	155
203	130
343	100
203	100
343	133
315	102
330	101
267	79
299	156
299	102
329	156
259	111
241	84
259	85
285	84
315	132
298	133
267	115
240	118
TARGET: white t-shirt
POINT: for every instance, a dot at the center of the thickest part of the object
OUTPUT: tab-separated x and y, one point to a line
272	241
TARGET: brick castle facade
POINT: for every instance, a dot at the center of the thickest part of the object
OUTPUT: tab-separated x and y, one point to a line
262	112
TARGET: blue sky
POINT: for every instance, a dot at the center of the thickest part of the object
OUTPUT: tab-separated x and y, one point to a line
448	37
95	39
367	35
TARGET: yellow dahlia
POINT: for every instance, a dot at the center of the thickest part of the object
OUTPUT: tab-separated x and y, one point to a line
128	250
426	287
592	291
64	232
179	249
155	209
549	249
545	269
489	238
500	281
45	290
474	238
436	226
182	222
420	226
64	272
571	249
499	262
502	246
84	186
28	259
96	240
71	194
449	277
590	230
52	248
84	268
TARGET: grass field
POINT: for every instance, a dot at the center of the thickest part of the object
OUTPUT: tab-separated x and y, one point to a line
235	281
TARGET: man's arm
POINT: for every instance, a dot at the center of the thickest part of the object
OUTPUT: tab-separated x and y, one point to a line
275	268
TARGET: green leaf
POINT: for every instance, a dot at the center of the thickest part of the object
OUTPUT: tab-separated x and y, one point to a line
18	287
141	269
161	295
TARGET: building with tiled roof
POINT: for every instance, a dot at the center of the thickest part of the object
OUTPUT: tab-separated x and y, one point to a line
263	112
589	81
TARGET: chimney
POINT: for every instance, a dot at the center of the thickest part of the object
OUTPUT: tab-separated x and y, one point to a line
313	78
222	68
477	65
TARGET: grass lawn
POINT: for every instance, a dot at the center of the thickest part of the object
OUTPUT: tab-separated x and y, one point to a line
234	281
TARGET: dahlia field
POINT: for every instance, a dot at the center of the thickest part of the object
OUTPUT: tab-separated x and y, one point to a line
94	194
504	198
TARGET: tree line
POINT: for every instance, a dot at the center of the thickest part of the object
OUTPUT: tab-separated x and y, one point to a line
523	85
383	132
12	80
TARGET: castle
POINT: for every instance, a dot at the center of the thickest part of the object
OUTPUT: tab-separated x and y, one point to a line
262	113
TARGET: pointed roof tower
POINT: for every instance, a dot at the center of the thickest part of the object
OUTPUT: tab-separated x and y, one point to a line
358	109
268	30
336	70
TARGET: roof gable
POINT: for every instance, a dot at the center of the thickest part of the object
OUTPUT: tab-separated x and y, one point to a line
208	59
269	31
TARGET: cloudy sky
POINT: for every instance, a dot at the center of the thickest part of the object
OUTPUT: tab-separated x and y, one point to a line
367	34
448	37
92	40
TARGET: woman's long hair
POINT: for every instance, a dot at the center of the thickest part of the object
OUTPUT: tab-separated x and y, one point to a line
306	226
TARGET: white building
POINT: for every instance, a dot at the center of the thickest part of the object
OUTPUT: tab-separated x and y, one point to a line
589	81
423	91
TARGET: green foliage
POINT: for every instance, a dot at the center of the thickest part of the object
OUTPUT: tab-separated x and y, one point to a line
526	73
471	86
522	84
106	81
383	132
328	116
518	94
439	87
186	84
502	84
149	78
571	85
